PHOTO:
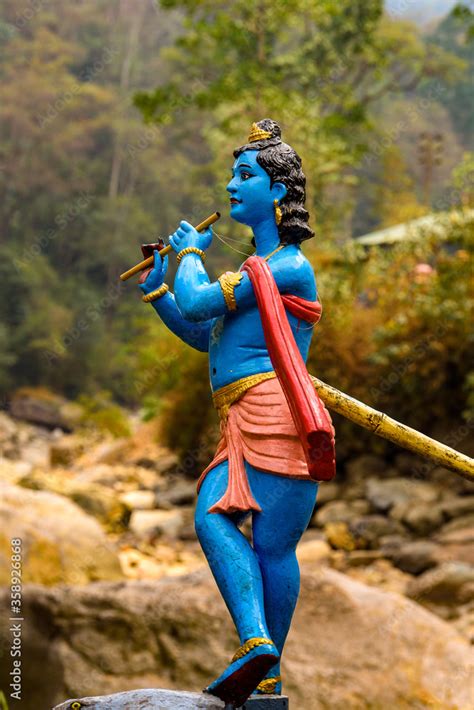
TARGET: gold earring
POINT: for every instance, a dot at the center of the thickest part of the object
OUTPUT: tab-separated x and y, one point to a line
278	214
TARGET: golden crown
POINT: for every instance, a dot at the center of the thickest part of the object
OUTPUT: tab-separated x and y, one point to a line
257	134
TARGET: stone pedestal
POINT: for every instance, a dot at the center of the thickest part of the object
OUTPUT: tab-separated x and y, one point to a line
157	699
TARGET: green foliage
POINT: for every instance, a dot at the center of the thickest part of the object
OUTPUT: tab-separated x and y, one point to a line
395	337
188	412
101	415
455	34
463	180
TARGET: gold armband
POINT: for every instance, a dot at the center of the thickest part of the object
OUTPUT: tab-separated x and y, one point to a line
228	282
190	250
153	295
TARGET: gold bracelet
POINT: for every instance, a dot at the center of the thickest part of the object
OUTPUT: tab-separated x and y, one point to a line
228	282
153	295
190	250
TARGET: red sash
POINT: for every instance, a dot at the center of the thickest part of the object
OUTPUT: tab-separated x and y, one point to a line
311	418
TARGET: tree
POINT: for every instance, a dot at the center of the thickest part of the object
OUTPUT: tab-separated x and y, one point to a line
317	67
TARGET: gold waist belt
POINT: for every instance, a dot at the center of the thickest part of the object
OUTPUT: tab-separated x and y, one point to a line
225	397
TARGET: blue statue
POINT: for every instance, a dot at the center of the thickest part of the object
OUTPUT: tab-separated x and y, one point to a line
276	436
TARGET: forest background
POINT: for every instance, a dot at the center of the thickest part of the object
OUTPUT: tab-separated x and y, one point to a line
118	119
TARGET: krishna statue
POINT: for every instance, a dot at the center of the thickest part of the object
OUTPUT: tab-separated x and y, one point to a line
277	439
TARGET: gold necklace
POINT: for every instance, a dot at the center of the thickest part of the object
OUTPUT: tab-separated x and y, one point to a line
266	258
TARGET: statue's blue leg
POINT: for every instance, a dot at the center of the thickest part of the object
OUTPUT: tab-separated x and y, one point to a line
233	561
287	505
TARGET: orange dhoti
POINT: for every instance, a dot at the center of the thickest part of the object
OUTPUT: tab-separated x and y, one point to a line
257	427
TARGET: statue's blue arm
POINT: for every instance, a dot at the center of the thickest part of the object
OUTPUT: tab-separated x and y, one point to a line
192	333
199	300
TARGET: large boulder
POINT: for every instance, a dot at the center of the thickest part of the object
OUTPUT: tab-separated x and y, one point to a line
40	406
149	699
60	543
94	498
25	442
350	647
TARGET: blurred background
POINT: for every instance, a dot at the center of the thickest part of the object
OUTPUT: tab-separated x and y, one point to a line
118	119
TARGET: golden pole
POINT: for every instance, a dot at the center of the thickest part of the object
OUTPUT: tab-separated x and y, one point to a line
383	425
163	252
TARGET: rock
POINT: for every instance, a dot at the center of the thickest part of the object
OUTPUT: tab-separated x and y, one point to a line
380	573
422	518
40	406
385	494
465	521
362	558
109	451
36	452
339	537
163	462
327	492
414	557
8	429
142	449
457	507
178	491
154	523
450	584
138	500
314	551
153	699
454	484
67	450
364	466
13	471
340	511
366	648
456	545
368	529
464	623
358	470
61	544
158	699
119	478
162	561
25	442
93	498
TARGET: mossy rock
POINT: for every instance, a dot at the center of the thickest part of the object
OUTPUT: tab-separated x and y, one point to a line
60	543
95	499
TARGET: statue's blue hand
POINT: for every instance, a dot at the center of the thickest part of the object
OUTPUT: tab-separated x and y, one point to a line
157	275
186	236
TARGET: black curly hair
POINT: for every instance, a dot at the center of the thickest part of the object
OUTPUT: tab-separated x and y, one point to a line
283	164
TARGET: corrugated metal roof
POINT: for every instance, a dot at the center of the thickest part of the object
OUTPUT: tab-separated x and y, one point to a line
435	223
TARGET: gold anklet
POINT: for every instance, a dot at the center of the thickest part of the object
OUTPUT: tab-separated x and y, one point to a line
268	685
153	295
191	250
249	645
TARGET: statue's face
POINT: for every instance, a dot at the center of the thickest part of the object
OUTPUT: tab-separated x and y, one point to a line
251	197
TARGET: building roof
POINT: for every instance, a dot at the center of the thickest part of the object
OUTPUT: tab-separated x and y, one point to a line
437	223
